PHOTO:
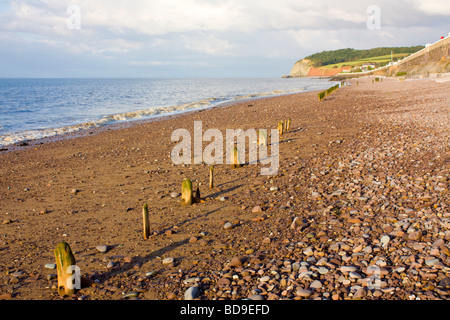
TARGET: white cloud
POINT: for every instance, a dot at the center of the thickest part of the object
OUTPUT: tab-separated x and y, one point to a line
433	7
160	30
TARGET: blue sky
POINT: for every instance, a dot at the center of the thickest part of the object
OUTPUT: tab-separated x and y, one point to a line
200	38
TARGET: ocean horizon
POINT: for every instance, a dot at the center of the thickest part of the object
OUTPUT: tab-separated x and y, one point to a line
34	108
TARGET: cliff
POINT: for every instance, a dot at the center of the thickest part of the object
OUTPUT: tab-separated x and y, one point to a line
304	68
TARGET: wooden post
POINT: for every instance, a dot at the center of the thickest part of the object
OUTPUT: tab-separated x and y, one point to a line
288	124
235	158
262	137
146	222
64	262
211	177
186	192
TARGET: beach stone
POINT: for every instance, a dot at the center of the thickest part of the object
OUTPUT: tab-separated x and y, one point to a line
192	293
224	281
315	194
168	261
235	262
228	226
348	269
174	194
415	235
385	240
255	297
50	266
360	293
304	293
432	262
256	209
102	248
52	276
316	284
265	279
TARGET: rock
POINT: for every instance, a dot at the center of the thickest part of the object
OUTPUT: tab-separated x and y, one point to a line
316	284
255	297
415	235
6	296
315	194
224	281
347	269
110	265
445	283
50	266
7	221
192	293
256	209
52	276
74	191
228	226
174	195
102	248
304	293
265	279
168	261
385	240
360	293
267	240
132	294
431	262
235	262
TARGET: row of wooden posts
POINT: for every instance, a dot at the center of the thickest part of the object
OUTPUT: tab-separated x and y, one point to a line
65	258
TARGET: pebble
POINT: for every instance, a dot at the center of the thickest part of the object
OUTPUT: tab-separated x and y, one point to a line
235	262
168	261
50	266
347	269
174	195
304	293
192	293
102	248
415	235
256	209
316	284
360	293
385	240
255	297
228	226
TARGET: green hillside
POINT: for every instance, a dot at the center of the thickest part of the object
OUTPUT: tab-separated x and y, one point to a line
341	56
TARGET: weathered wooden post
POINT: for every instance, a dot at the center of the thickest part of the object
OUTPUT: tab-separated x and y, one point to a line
65	262
146	222
211	177
186	192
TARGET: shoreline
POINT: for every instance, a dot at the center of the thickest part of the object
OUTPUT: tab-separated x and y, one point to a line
20	145
365	172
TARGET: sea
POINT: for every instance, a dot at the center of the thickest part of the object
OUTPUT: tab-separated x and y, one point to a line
39	108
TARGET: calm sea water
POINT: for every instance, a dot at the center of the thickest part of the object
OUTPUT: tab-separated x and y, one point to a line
38	108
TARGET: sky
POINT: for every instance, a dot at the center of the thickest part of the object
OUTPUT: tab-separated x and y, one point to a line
200	38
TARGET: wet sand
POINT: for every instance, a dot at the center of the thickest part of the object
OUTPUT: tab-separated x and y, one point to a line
366	171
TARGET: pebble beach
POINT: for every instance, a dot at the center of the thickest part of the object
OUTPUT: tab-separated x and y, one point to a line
359	209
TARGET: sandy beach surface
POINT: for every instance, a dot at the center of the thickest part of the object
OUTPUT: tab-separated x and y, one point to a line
359	209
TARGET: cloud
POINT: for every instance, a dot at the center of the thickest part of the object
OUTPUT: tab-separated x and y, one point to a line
205	31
